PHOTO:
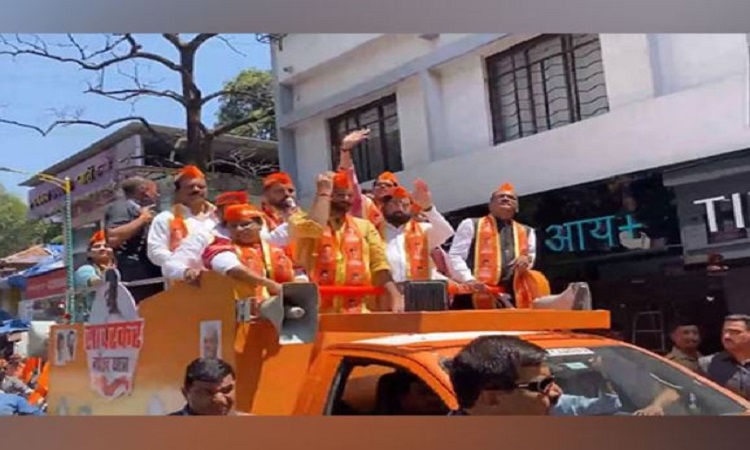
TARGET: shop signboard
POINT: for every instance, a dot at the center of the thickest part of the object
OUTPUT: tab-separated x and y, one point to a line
96	175
46	285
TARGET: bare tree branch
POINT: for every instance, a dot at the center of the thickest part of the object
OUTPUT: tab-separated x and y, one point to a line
201	39
245	163
174	38
67	122
124	95
41	50
228	93
231	46
227	128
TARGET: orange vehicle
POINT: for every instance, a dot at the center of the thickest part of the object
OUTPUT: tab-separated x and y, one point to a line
335	364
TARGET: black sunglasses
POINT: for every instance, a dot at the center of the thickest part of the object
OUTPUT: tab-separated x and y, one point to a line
540	386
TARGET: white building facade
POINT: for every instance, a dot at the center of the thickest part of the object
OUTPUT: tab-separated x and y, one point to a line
449	105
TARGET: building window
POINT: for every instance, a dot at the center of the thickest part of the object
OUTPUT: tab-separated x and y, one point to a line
546	83
382	152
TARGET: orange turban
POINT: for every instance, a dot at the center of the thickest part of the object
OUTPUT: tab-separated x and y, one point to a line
189	172
281	178
99	236
388	177
231	198
341	180
240	212
506	187
400	192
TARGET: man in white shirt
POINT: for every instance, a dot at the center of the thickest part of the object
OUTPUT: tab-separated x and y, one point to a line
409	242
191	213
488	251
245	256
186	263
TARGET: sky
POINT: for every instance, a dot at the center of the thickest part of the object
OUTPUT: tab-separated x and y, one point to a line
32	87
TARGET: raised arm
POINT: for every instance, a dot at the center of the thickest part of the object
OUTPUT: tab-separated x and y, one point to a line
346	163
438	230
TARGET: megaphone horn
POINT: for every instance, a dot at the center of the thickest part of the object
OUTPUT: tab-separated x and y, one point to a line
293	313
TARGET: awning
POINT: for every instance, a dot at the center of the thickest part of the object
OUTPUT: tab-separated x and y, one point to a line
14	326
47	264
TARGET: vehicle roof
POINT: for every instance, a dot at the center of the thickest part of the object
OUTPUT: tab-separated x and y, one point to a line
446	343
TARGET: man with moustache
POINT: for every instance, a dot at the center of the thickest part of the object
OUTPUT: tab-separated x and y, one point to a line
686	338
279	199
187	264
408	242
337	249
127	224
190	213
491	250
731	367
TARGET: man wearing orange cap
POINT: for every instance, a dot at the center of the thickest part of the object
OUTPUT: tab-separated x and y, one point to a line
489	251
279	199
185	263
190	213
338	249
246	256
408	241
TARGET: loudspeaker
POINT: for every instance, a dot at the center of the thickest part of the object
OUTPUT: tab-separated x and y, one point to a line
425	295
294	313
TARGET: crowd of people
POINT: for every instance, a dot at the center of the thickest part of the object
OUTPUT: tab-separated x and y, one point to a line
347	238
350	237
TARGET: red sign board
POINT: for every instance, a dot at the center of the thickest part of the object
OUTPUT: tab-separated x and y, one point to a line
46	285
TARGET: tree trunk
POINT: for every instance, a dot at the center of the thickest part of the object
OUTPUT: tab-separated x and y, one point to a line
194	153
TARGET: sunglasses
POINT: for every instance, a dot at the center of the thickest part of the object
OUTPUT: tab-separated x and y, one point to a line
541	386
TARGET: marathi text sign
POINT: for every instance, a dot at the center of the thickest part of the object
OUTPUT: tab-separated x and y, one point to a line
112	351
85	178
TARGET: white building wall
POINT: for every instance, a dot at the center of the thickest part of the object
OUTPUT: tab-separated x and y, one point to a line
672	98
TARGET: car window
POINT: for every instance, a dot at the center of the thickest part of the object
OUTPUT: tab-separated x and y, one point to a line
635	379
371	387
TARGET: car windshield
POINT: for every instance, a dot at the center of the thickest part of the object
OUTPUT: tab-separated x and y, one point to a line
620	380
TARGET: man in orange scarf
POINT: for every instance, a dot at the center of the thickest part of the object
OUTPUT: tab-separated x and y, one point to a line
190	213
337	249
491	250
186	263
279	199
409	242
245	256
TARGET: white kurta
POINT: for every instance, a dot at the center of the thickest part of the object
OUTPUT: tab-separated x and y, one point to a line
437	229
189	255
158	233
461	246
